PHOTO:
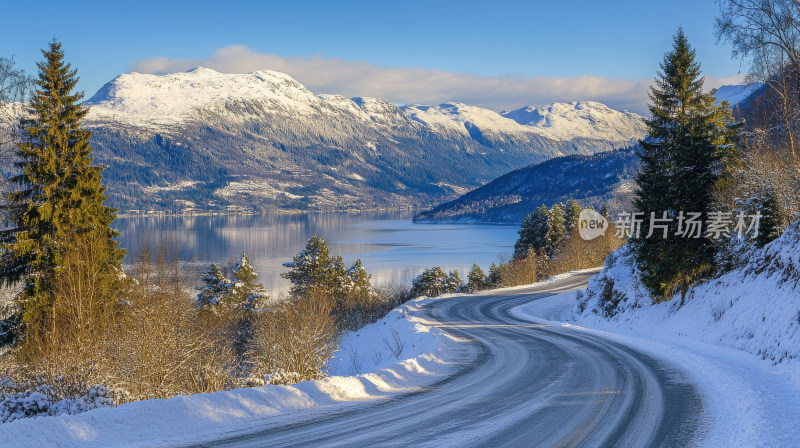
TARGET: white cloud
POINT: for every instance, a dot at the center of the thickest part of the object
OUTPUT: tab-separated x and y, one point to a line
417	85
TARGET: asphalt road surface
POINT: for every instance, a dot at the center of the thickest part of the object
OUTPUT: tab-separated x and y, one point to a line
530	385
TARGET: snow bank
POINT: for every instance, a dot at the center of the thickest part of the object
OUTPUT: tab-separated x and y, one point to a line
398	336
754	308
400	353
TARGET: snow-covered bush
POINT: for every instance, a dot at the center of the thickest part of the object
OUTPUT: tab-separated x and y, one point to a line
615	288
16	403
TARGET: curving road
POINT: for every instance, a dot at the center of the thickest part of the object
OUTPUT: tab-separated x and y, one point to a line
531	385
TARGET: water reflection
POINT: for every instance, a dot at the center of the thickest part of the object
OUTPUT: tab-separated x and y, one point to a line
392	248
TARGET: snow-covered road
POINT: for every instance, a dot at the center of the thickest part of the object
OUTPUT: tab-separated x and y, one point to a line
530	385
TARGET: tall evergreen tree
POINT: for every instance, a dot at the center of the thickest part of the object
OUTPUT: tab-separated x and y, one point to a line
454	282
771	217
532	233
571	214
315	271
493	278
310	268
359	282
556	229
476	279
60	196
687	137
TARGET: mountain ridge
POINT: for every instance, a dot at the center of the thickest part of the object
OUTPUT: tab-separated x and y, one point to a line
206	140
595	179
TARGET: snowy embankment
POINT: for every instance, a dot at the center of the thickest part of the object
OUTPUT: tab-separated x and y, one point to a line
737	337
400	353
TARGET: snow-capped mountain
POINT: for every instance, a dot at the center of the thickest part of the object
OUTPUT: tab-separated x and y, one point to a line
202	137
738	93
584	119
174	98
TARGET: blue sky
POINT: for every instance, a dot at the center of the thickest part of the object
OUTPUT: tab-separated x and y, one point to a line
510	41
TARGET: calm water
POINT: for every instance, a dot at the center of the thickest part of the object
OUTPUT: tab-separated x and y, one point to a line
391	247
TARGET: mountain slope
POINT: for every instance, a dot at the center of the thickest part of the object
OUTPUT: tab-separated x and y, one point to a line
606	177
603	177
739	95
581	119
207	140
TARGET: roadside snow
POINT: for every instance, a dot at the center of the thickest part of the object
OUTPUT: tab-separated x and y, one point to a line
754	308
400	353
737	337
396	337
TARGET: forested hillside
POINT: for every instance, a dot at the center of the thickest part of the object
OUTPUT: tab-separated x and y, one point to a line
595	179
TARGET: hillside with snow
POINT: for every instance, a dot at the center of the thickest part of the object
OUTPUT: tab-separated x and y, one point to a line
738	94
206	139
753	307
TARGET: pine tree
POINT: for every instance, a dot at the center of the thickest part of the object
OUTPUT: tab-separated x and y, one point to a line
476	280
60	197
453	283
310	269
245	293
688	136
215	287
771	218
493	278
359	281
337	280
604	211
431	283
571	214
556	230
533	233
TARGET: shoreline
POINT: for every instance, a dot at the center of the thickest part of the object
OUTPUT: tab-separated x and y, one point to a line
267	212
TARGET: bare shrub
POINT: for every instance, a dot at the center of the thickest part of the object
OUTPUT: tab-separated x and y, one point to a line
521	271
164	345
717	311
294	340
396	345
143	338
356	362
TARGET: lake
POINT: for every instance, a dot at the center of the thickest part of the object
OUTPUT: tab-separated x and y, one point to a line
391	247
